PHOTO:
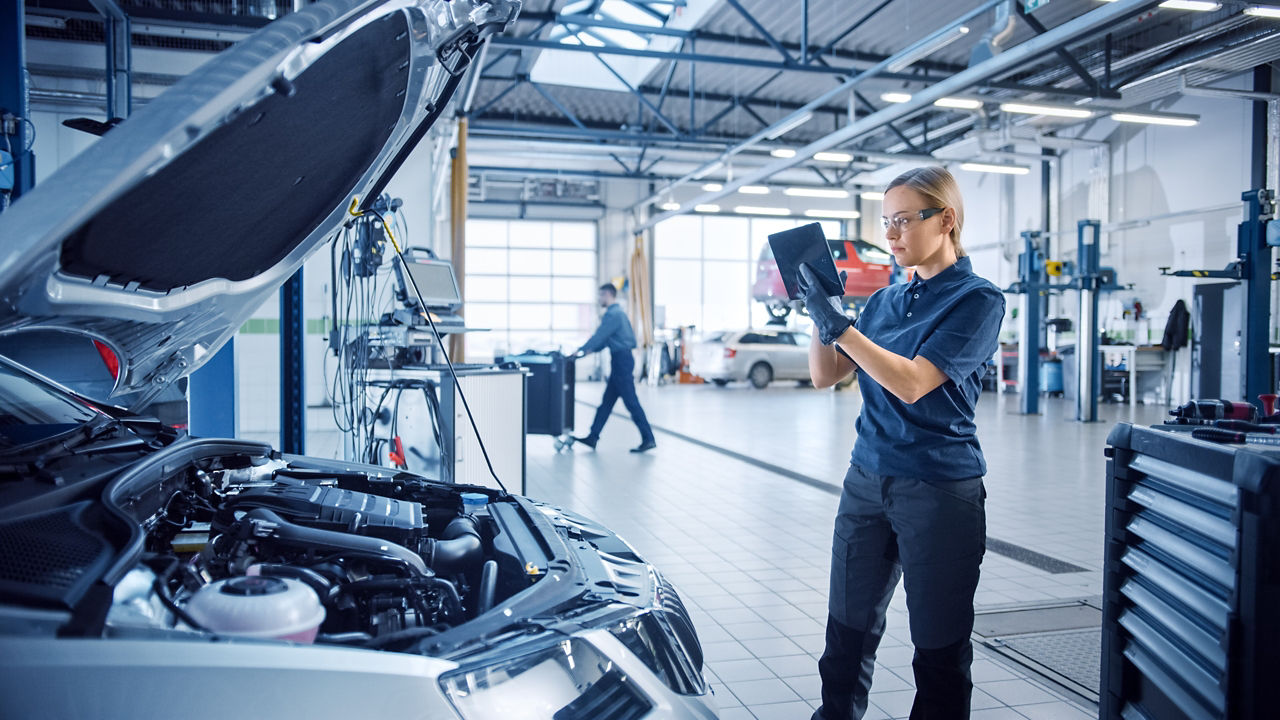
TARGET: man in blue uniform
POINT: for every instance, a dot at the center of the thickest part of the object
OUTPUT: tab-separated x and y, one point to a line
616	334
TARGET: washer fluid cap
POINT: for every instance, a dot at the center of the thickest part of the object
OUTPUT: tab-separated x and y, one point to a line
258	607
473	503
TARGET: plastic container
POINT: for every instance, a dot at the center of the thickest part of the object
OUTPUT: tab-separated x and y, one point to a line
259	607
473	503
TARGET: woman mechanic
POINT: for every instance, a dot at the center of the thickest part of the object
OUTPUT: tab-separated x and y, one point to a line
913	500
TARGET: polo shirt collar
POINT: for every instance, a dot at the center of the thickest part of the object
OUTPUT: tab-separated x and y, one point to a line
961	267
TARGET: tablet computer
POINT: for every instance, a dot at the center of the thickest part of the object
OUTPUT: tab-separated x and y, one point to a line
805	244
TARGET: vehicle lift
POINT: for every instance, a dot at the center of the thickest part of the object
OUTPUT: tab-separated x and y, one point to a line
1087	278
1255	236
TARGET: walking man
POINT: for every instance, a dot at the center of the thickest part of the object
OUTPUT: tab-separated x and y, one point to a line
616	334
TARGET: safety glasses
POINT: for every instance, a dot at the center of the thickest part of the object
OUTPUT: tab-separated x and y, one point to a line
900	222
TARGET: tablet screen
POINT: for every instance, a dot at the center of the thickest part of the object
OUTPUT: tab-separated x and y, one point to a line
805	244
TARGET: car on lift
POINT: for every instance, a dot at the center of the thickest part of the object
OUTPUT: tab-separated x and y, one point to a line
149	573
867	268
756	356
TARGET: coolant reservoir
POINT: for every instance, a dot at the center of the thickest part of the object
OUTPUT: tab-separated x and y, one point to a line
259	607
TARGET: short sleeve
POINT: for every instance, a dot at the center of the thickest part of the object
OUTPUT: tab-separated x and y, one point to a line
968	335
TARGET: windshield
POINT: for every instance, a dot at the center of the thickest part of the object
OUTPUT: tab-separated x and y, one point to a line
871	254
31	411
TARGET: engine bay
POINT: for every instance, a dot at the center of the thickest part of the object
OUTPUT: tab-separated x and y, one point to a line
271	550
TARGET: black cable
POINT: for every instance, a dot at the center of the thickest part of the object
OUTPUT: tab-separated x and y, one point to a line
448	363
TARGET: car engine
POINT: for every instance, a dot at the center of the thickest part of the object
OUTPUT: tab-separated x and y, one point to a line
304	554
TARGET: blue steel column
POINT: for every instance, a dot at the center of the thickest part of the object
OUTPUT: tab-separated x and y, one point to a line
1029	352
14	93
1088	360
211	396
1255	256
293	399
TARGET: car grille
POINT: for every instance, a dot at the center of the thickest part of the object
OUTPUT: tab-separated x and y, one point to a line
612	697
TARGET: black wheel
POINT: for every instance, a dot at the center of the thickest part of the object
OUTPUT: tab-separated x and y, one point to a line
760	375
720	382
778	311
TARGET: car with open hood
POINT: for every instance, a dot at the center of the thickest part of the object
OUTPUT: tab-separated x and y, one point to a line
148	573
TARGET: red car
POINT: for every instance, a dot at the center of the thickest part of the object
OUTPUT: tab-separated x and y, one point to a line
866	265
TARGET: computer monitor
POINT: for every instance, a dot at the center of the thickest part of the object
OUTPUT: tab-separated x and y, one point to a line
436	282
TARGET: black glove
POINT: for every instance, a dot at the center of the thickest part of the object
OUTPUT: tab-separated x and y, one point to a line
826	311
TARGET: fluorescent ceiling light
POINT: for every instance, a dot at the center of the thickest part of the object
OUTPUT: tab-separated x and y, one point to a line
816	192
753	190
1265	11
1186	5
1156	119
895	97
1052	110
782	152
958	103
788	126
842	214
926	48
670	206
753	210
707	208
1003	169
1190	5
871	195
712	187
833	157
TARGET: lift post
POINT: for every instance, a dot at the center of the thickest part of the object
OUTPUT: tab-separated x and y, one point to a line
1255	236
1033	282
1088	282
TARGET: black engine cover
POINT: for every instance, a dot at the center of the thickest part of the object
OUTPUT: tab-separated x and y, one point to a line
332	508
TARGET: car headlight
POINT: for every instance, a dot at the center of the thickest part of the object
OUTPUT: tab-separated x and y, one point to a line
654	638
570	680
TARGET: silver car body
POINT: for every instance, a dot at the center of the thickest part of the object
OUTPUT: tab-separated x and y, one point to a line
759	356
158	242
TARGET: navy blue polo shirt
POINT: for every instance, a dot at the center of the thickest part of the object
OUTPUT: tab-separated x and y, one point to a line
953	321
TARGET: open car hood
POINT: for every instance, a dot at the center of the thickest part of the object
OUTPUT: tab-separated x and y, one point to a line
163	237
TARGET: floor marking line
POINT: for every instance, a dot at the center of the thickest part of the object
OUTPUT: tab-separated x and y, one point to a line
1013	551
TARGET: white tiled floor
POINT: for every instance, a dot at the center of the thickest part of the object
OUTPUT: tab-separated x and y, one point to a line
749	548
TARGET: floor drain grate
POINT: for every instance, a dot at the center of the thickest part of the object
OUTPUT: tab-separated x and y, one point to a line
1061	643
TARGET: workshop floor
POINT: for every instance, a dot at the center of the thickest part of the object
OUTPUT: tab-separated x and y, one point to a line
736	507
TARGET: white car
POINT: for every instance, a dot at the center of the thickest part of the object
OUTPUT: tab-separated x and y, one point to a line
145	573
758	356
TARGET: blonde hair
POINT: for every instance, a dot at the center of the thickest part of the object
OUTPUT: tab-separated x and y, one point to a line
939	188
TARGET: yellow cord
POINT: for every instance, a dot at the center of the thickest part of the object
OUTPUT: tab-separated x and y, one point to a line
355	202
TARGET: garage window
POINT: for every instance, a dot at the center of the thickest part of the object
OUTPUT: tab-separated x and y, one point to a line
704	266
532	283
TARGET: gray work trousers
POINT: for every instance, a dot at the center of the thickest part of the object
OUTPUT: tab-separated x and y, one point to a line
933	533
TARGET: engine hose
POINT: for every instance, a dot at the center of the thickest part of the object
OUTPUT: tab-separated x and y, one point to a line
315	580
460	547
278	529
488	586
376	585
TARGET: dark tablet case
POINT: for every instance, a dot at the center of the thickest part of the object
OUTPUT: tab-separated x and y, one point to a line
805	244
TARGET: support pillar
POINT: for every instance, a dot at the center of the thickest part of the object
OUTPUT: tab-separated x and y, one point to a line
15	99
1088	360
293	397
458	233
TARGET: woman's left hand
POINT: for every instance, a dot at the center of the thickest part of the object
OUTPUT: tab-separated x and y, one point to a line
826	311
